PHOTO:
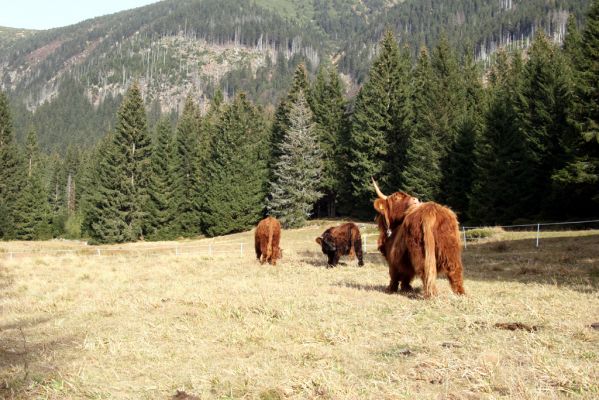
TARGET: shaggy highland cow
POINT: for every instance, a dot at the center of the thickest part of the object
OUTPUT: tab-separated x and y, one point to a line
418	239
266	240
340	241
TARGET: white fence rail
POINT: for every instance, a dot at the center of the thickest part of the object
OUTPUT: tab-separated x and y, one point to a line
579	225
239	249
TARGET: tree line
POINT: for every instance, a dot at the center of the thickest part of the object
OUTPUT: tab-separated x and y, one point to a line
519	141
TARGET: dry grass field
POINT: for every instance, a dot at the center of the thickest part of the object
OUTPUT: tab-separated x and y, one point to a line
145	323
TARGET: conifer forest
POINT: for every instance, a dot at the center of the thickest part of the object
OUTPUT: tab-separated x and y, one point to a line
508	138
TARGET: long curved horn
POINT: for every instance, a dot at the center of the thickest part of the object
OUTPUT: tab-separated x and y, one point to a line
377	190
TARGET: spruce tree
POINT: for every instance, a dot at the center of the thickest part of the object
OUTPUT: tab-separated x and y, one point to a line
187	162
460	163
123	174
105	216
160	207
328	105
11	172
500	170
588	79
235	188
582	174
294	189
31	211
421	174
281	122
543	116
573	43
402	124
446	108
374	124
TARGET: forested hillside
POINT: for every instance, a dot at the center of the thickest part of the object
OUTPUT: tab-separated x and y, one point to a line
67	82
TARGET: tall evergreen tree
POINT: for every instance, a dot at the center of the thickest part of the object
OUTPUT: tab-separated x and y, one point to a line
186	177
402	124
573	42
461	159
294	189
233	199
580	176
328	105
447	107
160	207
588	88
281	123
543	109
374	123
31	211
11	172
500	171
421	175
123	176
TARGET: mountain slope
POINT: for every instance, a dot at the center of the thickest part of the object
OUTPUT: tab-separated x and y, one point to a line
176	46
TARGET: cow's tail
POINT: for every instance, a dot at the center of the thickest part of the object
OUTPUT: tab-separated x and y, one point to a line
269	244
429	276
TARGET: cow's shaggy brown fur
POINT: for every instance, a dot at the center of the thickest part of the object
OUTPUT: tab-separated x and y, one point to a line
419	239
341	240
266	240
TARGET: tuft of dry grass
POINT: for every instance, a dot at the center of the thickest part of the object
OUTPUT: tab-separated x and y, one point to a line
144	325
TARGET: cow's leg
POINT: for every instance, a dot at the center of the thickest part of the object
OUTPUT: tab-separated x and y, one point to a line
263	254
406	273
406	281
258	251
352	253
358	247
394	276
333	259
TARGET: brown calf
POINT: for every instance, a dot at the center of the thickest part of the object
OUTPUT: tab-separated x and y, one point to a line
341	240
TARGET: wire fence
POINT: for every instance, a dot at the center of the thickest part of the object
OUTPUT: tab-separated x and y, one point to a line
240	249
535	229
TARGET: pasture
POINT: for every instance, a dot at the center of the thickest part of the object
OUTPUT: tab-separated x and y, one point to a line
142	325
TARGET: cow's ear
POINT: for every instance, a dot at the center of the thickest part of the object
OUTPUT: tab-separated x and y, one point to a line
319	240
380	205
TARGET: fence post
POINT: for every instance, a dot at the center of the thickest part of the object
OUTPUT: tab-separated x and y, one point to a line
10	255
210	249
465	239
538	232
99	253
176	250
241	249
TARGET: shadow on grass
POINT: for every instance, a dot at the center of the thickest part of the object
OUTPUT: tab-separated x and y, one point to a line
316	258
568	261
25	360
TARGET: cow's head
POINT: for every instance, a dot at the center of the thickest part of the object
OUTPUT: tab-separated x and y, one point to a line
327	243
392	209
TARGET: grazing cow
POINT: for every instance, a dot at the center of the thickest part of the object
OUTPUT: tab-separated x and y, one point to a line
418	239
341	240
266	240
